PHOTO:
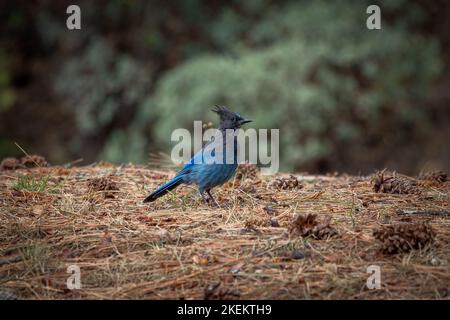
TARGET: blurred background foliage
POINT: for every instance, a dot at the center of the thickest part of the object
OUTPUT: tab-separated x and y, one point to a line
344	97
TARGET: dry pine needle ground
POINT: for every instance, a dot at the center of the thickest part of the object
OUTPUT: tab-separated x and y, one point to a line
283	237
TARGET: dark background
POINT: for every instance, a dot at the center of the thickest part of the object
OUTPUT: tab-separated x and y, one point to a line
344	97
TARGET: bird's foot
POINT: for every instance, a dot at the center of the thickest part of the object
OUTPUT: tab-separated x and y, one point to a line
211	203
214	204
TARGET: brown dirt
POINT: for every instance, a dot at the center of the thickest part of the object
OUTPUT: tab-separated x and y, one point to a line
179	248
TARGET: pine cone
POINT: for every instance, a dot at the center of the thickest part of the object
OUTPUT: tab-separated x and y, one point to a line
433	176
252	223
403	237
247	171
34	160
248	186
309	226
10	164
104	184
394	183
286	183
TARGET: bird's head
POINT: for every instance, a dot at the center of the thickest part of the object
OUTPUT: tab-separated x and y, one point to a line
229	119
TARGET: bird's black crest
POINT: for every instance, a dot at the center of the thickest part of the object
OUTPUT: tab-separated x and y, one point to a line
225	113
228	118
221	109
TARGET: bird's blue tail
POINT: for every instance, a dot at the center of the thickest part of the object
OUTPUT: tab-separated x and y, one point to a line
172	184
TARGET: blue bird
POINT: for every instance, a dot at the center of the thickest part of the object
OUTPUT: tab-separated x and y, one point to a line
208	169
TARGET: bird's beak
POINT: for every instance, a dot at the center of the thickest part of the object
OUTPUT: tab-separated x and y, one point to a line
244	121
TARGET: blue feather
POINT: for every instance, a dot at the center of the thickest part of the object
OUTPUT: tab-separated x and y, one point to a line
172	184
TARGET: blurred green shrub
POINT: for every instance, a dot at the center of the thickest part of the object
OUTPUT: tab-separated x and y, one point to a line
107	91
335	89
315	71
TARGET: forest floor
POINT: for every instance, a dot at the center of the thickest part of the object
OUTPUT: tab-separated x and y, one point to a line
283	237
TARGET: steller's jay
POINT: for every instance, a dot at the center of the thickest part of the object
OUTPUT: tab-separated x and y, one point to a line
201	169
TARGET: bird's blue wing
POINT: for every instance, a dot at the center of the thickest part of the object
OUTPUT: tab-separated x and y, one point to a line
187	167
196	159
200	157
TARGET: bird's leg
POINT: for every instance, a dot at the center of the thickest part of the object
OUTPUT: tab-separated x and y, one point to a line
214	202
205	200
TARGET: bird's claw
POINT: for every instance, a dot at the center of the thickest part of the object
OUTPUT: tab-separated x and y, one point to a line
210	202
